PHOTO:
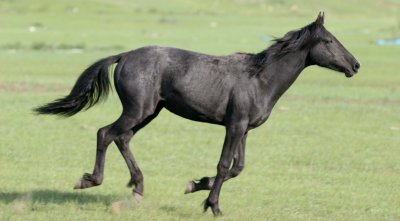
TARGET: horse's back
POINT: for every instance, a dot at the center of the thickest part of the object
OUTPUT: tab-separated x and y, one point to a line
190	84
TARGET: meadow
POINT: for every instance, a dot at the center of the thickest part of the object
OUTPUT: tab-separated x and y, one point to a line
329	151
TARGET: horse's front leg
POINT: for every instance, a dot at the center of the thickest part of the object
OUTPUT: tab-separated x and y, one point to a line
206	183
234	134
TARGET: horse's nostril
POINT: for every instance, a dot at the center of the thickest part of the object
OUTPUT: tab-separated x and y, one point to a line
357	66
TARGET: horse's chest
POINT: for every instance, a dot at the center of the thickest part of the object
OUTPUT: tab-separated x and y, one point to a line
258	118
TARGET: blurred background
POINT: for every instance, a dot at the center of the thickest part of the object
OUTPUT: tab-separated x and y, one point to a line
330	150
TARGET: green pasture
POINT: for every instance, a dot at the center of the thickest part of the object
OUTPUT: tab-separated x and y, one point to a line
330	150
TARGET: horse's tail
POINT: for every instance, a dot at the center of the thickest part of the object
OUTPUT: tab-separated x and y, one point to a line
92	86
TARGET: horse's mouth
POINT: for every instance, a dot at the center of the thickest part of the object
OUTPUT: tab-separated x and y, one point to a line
349	74
352	71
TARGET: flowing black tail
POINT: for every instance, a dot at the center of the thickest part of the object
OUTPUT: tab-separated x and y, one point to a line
92	86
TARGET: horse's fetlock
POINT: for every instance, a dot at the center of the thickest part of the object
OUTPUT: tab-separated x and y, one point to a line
97	180
212	201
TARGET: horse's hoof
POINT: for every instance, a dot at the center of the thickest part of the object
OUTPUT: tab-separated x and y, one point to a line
87	181
189	187
206	205
217	213
214	208
138	197
78	184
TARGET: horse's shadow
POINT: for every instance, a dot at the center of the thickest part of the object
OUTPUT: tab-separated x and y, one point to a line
55	197
19	200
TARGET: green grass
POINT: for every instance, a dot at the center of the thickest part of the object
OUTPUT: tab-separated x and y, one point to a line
330	150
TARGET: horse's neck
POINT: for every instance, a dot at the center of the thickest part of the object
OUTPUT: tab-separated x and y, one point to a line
279	75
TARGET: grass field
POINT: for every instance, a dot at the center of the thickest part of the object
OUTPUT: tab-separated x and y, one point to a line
330	150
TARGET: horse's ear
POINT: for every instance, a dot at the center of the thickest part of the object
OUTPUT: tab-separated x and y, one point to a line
320	18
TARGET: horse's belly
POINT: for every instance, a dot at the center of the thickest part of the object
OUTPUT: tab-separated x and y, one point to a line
198	94
197	110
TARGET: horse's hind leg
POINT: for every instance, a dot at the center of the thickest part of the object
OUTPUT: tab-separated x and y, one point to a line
122	143
95	179
104	137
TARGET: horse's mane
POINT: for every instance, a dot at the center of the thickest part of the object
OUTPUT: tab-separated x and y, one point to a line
296	40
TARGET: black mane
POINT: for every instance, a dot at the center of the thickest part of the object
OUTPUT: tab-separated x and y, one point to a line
303	38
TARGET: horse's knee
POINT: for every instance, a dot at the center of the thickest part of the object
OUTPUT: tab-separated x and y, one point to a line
223	169
121	142
236	170
103	137
101	133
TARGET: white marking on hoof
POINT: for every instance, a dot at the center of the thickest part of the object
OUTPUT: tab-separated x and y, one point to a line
189	187
78	185
121	205
138	197
116	207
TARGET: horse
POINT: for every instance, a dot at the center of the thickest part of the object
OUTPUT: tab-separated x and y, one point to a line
237	91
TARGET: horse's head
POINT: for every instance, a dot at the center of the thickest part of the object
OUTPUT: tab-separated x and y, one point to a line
326	51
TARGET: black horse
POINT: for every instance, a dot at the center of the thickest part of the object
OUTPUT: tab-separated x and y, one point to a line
236	91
